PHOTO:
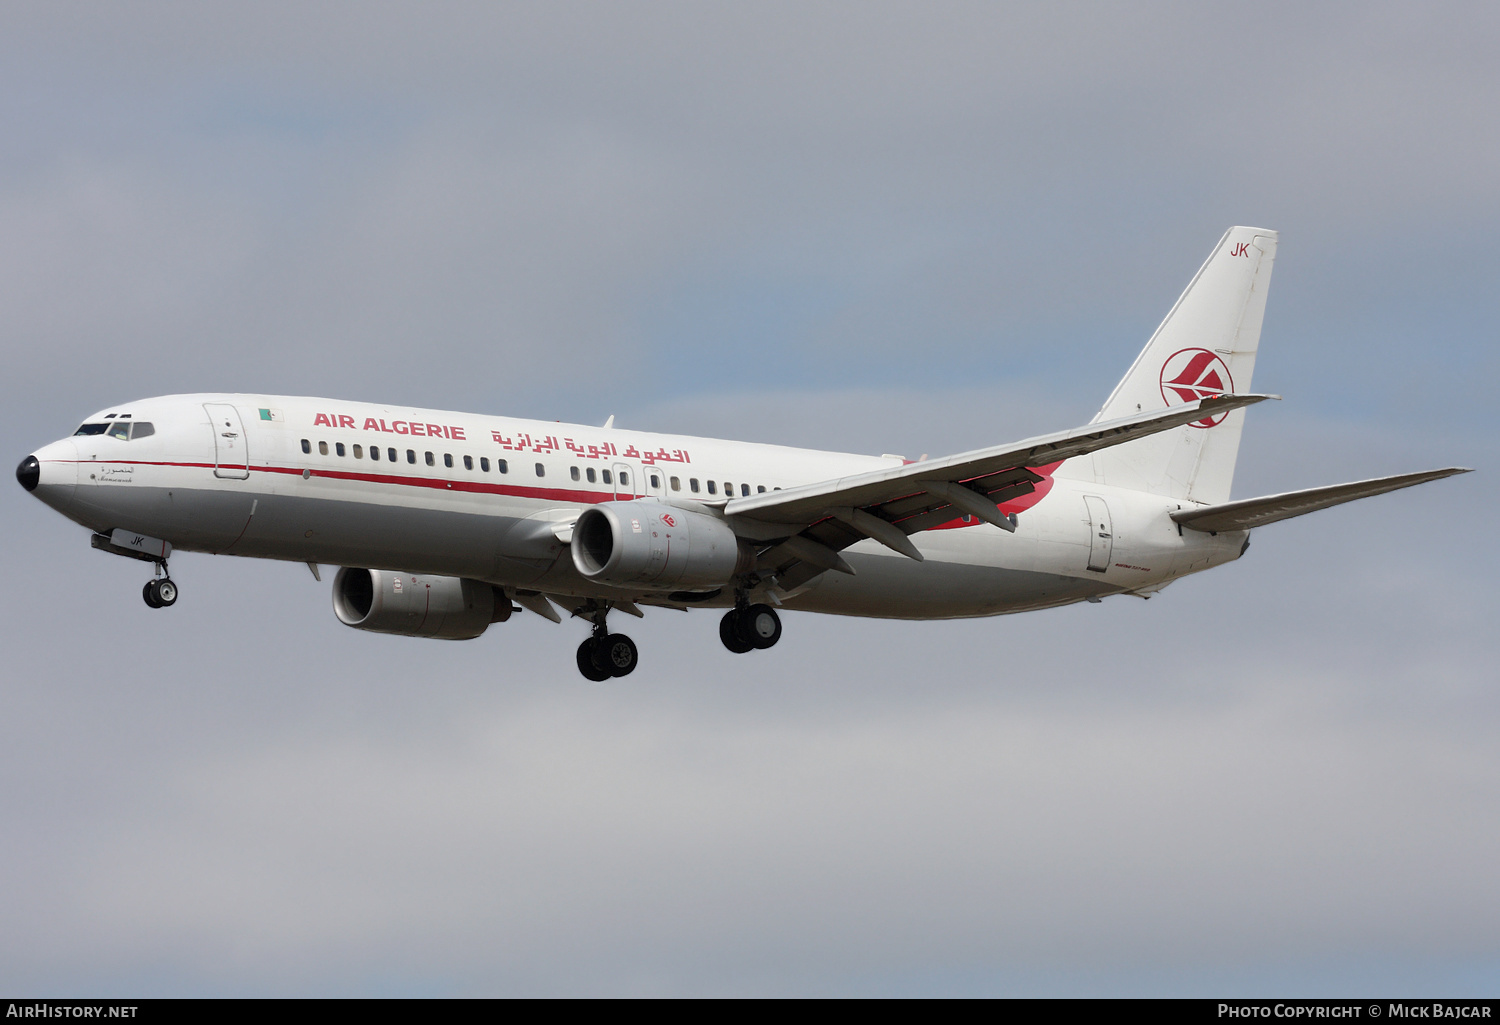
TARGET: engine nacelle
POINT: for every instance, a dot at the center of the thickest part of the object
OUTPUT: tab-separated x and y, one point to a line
417	606
656	546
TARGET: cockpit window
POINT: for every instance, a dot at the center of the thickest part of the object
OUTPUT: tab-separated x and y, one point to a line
120	429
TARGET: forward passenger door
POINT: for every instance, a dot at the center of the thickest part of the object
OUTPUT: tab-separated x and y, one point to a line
231	455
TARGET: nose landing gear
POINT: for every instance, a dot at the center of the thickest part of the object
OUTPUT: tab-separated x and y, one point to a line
605	654
161	592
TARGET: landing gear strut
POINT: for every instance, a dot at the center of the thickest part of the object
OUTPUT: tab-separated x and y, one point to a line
749	626
161	592
605	654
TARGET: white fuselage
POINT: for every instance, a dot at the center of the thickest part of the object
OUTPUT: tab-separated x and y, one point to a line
489	498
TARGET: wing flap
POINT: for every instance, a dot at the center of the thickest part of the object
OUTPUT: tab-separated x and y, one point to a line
1257	512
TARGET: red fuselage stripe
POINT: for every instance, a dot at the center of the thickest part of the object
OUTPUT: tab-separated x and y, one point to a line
1017	504
433	483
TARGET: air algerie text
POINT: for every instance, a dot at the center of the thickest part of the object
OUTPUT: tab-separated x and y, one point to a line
410	427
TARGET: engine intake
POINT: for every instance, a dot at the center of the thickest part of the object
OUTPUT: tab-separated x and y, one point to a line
417	606
656	546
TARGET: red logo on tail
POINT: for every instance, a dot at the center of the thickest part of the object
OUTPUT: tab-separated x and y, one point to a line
1192	374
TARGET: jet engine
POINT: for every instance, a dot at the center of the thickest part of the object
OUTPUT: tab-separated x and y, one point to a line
655	546
417	606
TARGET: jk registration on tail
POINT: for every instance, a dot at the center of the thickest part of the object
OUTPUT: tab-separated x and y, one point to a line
445	523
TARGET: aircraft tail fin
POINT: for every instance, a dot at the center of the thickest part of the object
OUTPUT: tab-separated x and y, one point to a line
1205	346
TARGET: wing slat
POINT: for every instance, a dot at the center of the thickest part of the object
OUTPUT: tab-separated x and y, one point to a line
808	503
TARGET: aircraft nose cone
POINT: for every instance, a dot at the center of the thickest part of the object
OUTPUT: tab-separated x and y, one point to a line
29	473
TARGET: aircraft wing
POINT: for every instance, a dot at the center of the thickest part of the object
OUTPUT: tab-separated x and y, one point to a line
1257	512
813	523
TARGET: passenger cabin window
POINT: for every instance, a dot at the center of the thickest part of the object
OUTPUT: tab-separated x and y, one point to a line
390	454
624	479
359	451
676	483
468	462
760	489
430	461
448	460
91	429
338	447
693	485
605	474
655	480
411	455
306	447
374	452
541	471
322	448
728	490
503	465
119	430
573	472
484	463
713	489
592	476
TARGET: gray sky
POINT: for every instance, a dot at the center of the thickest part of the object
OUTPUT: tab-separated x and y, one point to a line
865	226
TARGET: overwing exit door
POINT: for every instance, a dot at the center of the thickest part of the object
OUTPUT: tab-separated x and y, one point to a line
231	455
1101	533
654	480
625	482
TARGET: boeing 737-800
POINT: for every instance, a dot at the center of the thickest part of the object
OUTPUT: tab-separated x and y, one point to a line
444	523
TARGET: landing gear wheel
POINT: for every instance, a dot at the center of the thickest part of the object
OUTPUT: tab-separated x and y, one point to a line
586	663
759	626
166	592
615	654
149	594
731	634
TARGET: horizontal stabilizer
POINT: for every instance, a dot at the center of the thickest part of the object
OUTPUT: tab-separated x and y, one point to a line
1257	512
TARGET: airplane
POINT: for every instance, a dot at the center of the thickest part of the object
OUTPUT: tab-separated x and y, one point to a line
444	523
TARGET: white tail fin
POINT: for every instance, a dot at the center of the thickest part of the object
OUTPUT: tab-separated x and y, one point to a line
1205	346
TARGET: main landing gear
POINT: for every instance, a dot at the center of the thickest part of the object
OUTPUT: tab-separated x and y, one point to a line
749	626
161	592
605	654
743	628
